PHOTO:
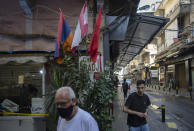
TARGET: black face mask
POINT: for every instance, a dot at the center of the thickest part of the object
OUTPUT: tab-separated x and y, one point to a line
65	112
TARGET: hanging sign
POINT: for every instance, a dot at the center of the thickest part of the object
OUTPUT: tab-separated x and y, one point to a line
92	67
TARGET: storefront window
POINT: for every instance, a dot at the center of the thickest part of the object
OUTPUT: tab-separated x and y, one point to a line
19	83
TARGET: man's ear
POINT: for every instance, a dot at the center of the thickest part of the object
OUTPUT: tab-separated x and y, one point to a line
74	101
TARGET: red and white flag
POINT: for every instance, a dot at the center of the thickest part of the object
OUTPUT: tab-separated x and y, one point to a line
81	28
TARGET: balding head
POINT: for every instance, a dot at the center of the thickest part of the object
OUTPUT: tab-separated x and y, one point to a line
66	91
66	96
66	102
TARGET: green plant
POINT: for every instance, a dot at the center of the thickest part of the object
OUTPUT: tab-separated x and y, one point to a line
67	74
98	101
93	96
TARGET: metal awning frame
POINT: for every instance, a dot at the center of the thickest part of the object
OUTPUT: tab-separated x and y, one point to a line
133	44
140	20
129	42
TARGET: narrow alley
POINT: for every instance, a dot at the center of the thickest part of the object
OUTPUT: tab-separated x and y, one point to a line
179	112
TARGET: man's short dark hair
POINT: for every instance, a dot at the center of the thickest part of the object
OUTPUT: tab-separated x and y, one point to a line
139	82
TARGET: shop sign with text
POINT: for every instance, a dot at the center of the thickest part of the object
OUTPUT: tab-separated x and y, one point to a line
92	67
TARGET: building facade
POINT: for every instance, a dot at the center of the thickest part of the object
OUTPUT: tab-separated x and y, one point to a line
175	44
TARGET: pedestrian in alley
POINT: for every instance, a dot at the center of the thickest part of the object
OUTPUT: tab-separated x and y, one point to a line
116	81
137	108
125	88
71	117
129	87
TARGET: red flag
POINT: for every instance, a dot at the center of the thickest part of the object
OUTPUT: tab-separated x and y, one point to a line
93	49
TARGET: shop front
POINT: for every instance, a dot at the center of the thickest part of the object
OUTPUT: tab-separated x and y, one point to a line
192	73
171	76
154	75
22	92
180	75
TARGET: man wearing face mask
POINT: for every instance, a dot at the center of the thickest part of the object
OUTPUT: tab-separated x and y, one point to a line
72	118
137	108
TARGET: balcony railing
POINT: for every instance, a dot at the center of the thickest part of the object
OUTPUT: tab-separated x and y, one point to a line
185	31
186	35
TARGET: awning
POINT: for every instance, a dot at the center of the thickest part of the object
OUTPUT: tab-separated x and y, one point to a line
21	57
139	34
24	59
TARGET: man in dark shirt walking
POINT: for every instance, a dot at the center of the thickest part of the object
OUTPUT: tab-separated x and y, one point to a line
137	107
125	88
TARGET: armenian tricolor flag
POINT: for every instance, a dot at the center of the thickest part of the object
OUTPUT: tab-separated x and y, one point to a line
64	39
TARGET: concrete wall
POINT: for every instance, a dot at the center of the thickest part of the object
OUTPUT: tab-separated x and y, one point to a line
192	11
44	20
170	6
161	42
22	123
171	10
169	35
187	19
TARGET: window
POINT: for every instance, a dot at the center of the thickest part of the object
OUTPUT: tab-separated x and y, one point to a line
19	83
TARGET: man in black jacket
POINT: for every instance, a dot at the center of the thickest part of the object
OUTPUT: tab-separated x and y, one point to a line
137	107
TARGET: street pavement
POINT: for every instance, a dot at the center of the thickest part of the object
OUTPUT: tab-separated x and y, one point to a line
179	112
172	92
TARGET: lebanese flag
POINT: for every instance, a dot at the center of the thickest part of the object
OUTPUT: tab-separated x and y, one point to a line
93	49
81	28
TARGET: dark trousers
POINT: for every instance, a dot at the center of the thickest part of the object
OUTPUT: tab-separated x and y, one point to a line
125	94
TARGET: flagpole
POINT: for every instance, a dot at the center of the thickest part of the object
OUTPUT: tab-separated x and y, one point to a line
100	64
94	13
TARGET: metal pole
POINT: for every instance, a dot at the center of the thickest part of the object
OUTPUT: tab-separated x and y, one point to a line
190	92
43	82
177	90
163	113
94	13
